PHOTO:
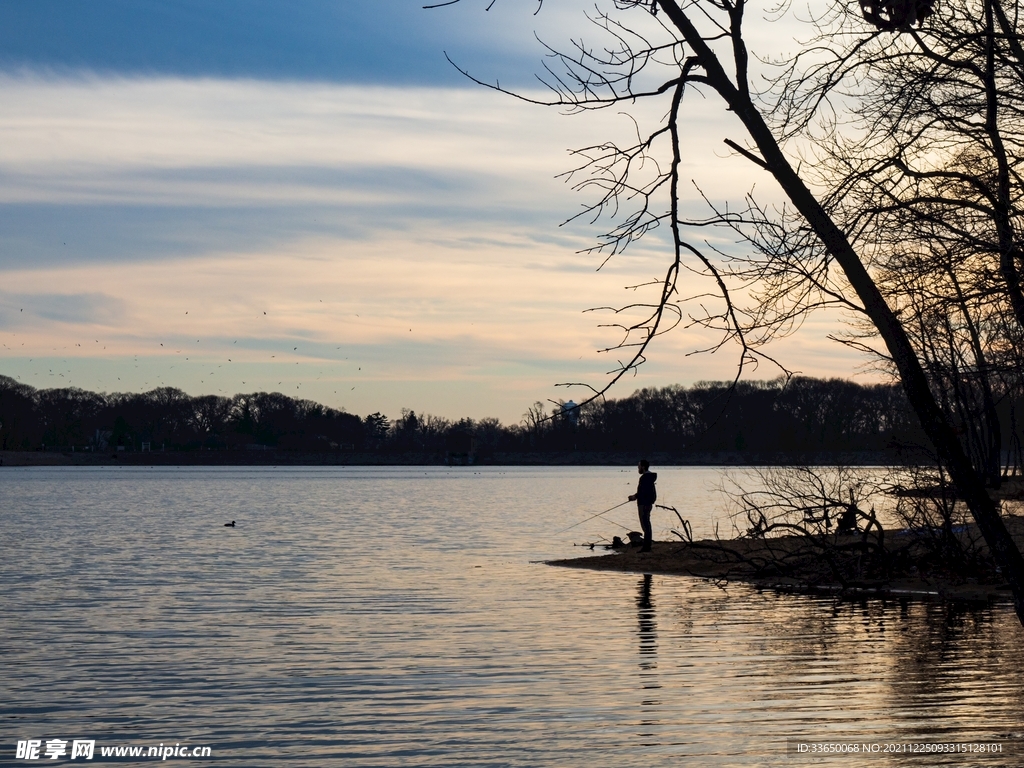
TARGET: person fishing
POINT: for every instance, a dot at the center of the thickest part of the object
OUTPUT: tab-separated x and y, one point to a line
645	496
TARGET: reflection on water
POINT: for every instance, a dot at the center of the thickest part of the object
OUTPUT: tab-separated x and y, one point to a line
387	616
648	633
648	626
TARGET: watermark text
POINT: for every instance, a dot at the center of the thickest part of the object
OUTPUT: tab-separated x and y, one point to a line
86	749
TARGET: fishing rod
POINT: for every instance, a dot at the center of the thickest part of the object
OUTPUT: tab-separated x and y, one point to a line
599	514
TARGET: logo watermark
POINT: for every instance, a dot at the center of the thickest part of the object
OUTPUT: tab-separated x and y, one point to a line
86	749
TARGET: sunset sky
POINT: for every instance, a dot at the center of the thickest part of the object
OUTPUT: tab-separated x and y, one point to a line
305	196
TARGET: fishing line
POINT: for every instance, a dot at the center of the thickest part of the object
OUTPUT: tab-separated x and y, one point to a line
599	514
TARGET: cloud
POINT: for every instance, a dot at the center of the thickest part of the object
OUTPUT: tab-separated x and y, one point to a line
413	231
131	169
114	134
19	310
366	326
386	41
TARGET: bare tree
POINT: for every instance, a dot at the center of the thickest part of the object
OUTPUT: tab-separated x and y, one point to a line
830	528
810	253
926	177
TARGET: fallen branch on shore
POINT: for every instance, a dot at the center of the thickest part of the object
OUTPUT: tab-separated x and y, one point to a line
793	563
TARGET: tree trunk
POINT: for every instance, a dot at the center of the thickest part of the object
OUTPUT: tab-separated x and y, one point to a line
969	483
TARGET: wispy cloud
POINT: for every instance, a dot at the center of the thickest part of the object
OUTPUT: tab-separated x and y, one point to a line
67	308
169	140
227	235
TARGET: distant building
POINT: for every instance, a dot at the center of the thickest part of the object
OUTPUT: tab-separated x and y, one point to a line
571	411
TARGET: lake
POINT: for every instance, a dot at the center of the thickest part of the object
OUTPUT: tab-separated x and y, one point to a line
385	616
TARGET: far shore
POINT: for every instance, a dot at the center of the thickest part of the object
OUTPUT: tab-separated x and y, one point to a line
743	560
273	457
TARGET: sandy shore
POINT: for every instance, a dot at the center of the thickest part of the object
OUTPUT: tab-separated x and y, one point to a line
745	560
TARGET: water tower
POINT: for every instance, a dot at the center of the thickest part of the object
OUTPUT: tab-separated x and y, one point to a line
571	411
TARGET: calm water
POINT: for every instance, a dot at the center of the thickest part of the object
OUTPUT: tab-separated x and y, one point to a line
393	616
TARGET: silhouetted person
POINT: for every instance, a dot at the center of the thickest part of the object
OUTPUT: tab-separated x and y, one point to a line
645	496
848	520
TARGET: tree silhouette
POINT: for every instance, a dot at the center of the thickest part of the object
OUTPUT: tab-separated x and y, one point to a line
811	253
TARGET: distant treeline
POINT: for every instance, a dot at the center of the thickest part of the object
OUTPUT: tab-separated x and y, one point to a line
803	415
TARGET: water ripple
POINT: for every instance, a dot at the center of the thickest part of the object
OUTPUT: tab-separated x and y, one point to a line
392	616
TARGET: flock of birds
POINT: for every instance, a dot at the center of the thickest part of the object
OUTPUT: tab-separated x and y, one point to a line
67	373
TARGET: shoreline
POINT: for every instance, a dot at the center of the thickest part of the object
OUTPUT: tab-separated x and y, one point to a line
271	457
735	560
